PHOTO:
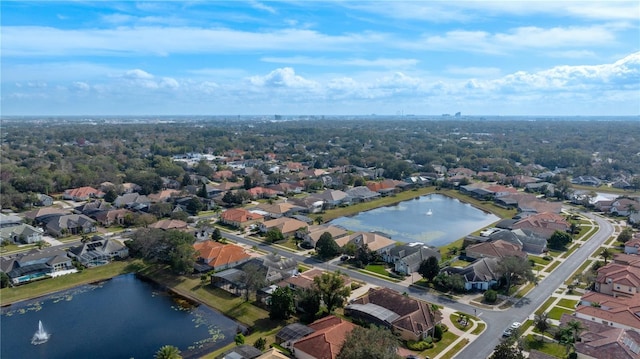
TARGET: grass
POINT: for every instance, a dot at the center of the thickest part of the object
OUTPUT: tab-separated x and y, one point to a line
543	308
524	290
459	263
447	339
378	269
553	349
556	312
553	266
605	189
479	328
580	270
52	285
571	250
455	349
454	319
567	303
538	260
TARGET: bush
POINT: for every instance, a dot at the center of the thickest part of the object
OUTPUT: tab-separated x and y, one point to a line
547	258
239	339
260	343
355	285
429	339
490	296
419	346
437	333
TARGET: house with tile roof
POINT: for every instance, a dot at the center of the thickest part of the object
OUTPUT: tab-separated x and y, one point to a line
599	341
262	192
326	340
624	207
495	249
332	198
220	256
528	240
167	224
314	232
112	217
82	193
240	217
374	241
543	224
632	246
163	196
41	215
287	226
409	318
618	312
361	194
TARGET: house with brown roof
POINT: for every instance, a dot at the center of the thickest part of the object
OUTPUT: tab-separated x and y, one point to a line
220	256
262	192
326	340
408	318
112	217
543	224
375	242
314	232
287	226
618	279
599	341
240	217
82	193
70	224
632	246
167	224
163	196
624	207
618	312
495	249
277	210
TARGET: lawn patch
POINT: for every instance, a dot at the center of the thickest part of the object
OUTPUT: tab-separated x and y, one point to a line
556	312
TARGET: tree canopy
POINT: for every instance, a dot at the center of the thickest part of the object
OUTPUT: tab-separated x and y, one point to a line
429	268
370	343
512	268
282	304
559	240
332	290
327	246
172	247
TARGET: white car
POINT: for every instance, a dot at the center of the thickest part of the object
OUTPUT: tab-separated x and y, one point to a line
515	325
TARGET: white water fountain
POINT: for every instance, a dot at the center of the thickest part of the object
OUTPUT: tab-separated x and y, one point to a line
40	336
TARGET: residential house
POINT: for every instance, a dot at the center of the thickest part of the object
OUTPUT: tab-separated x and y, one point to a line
36	264
70	224
374	241
313	234
90	208
42	215
543	224
495	249
479	275
622	183
82	193
230	280
528	240
587	181
326	340
272	353
130	187
43	200
599	341
9	220
262	192
96	253
278	267
287	226
634	218
333	198
624	207
133	201
167	224
21	234
244	351
619	278
277	210
632	246
163	196
540	187
113	217
284	188
616	312
240	217
387	186
361	194
286	336
406	258
408	318
218	256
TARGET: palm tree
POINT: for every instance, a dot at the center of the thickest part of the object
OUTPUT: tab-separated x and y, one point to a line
319	220
576	328
168	352
606	254
542	323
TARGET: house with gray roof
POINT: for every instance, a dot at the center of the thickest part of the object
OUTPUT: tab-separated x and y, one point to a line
132	200
9	220
479	275
96	253
530	242
362	194
407	257
333	198
21	234
70	224
36	264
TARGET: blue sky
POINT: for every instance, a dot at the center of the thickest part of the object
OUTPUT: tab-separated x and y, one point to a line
320	58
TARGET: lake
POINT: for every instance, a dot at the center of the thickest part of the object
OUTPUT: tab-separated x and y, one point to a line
124	317
435	219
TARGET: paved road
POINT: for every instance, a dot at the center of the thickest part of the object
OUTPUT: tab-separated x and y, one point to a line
496	321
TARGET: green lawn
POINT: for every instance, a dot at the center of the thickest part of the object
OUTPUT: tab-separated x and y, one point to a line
538	260
455	349
479	329
553	349
377	268
543	308
447	339
556	312
52	285
553	266
567	303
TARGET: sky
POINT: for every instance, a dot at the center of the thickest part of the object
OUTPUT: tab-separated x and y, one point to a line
557	57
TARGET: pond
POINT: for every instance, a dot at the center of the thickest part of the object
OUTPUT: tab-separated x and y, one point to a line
124	317
435	219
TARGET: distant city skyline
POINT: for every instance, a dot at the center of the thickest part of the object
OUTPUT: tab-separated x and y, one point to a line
518	58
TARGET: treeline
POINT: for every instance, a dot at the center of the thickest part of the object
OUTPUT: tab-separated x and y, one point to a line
49	158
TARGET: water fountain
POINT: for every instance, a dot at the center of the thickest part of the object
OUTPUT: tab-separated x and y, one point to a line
40	336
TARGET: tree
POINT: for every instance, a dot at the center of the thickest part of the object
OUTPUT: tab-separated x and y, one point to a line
369	343
332	290
274	235
327	246
512	268
541	323
309	302
506	350
429	268
260	343
490	296
319	220
110	196
625	235
239	339
559	240
350	249
282	303
252	279
182	258
202	192
194	205
247	183
216	235
4	280
606	254
576	328
168	352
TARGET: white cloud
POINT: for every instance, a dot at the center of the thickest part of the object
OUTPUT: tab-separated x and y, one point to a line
137	74
283	77
261	6
81	86
322	61
474	71
169	82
